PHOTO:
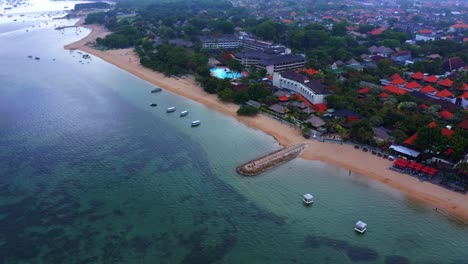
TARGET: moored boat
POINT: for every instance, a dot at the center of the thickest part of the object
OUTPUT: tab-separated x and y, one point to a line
170	109
196	123
153	104
360	227
156	90
308	198
184	113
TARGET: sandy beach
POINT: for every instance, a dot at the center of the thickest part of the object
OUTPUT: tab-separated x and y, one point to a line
447	202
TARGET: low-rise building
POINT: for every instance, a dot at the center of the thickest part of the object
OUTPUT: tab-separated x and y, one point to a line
312	90
224	42
271	62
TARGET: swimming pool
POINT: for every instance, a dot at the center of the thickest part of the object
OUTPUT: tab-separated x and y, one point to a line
224	72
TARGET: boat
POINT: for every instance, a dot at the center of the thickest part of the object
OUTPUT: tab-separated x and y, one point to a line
153	104
156	90
184	113
360	227
196	123
170	109
308	198
37	58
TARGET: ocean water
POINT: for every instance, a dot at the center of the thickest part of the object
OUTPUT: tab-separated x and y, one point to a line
89	173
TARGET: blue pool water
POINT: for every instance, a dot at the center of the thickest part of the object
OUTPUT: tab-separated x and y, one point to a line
223	73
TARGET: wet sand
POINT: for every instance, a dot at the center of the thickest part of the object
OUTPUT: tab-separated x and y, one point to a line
447	202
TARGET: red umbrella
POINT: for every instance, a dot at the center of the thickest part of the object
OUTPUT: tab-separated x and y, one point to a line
418	166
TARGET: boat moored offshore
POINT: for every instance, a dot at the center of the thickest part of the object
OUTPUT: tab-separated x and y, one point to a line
155	90
153	104
184	113
360	227
196	123
308	198
170	109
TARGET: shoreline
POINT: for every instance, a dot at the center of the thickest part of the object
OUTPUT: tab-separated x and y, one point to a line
446	202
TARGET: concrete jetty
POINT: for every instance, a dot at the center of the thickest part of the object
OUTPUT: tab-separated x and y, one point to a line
271	160
64	27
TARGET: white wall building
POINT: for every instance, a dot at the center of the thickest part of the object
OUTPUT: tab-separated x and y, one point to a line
314	91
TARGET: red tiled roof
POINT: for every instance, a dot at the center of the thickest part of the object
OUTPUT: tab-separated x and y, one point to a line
399	81
384	95
425	31
463	88
445	131
377	31
446	83
364	90
322	108
311	71
464	95
445	114
300	97
460	26
283	98
444	93
417	75
410	140
431	79
464	124
395	76
428	89
423	106
413	85
395	90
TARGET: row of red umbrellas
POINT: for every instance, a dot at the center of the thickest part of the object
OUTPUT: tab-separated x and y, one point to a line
415	166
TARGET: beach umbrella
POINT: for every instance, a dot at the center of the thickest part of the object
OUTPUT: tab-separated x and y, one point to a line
418	166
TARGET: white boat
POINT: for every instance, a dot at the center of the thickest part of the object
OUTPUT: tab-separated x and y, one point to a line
196	123
170	109
184	113
360	227
308	198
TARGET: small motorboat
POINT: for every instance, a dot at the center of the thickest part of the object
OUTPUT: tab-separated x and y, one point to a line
170	109
156	90
184	113
153	104
196	123
360	227
30	56
308	198
37	58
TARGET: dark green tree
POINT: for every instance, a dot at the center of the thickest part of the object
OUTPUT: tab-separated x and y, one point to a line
430	138
361	131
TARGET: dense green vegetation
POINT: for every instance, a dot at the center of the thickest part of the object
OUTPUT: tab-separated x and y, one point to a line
149	30
247	110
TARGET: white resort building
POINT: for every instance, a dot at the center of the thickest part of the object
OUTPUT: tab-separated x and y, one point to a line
313	90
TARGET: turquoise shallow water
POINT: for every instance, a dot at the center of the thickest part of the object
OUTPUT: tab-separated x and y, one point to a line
89	173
